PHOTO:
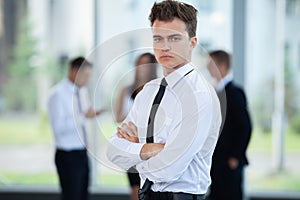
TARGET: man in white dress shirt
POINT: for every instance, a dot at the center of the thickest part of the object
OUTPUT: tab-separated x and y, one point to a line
171	131
68	111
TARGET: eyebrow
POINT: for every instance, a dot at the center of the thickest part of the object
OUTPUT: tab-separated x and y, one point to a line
168	35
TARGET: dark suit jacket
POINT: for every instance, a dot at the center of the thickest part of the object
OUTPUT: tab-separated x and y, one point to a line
236	128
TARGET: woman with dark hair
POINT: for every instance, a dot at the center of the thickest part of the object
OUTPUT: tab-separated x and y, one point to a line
145	71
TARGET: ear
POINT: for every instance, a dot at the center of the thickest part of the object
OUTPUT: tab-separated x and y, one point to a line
194	41
223	69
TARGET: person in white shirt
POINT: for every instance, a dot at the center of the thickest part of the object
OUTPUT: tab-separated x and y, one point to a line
68	110
173	126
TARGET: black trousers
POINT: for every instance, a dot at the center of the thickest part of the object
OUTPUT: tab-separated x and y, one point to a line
226	183
73	172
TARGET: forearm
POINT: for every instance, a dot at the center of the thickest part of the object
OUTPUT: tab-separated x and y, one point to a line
123	153
149	150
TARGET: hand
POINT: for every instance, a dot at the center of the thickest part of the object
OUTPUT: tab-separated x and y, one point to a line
233	163
91	113
128	132
150	149
100	111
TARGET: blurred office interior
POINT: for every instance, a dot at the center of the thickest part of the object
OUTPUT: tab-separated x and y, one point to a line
38	37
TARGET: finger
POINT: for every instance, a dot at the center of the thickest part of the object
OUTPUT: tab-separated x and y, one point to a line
120	135
124	134
125	128
98	112
133	127
118	129
101	111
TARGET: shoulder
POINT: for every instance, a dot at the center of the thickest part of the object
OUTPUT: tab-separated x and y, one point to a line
200	83
151	85
202	88
57	90
153	82
234	88
148	90
235	92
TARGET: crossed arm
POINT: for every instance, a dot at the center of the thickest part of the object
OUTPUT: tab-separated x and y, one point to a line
129	132
193	135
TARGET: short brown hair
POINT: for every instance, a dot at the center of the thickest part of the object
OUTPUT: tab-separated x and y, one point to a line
78	62
170	9
220	56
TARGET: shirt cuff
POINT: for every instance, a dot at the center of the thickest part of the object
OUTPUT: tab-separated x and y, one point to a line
132	155
123	153
135	149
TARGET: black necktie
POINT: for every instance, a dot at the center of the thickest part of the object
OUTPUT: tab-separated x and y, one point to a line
154	108
150	130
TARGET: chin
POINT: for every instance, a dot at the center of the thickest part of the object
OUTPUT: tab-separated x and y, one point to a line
168	64
170	67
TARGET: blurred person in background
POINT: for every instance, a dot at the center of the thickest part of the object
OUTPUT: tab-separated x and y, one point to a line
229	158
145	71
68	110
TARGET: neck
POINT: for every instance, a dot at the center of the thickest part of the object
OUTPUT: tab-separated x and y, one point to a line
72	80
169	70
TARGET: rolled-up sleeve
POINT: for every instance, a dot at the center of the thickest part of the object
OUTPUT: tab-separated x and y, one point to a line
123	153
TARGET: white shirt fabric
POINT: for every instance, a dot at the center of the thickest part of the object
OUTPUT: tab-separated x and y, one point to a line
187	122
65	117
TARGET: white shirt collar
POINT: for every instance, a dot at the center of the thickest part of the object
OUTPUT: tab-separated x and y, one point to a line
178	74
70	85
224	81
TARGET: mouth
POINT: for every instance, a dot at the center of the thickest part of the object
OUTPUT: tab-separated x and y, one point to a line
165	57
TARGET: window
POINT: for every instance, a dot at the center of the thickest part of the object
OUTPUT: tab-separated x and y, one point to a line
293	8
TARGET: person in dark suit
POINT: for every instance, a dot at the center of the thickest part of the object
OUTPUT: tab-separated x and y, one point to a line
229	158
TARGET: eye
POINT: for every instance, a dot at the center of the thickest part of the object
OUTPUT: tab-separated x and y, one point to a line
175	38
157	39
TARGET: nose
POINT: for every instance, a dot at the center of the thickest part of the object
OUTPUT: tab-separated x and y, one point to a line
166	46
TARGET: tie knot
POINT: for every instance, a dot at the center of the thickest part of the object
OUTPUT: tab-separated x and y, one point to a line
164	82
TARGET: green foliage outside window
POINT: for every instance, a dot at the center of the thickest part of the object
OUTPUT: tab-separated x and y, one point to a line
20	90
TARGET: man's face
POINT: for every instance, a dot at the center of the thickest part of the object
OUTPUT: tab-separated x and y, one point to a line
213	69
171	43
217	70
83	76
